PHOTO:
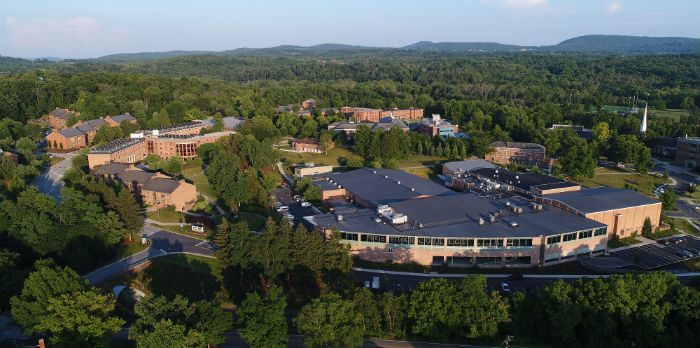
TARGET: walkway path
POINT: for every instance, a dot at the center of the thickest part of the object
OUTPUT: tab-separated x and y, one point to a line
286	177
49	181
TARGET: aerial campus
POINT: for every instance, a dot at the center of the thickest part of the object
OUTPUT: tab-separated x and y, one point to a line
438	194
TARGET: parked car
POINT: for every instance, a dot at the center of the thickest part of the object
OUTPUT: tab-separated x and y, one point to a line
305	204
694	251
296	197
663	241
505	288
278	204
375	282
683	253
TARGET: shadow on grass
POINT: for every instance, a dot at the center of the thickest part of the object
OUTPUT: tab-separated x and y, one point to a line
177	274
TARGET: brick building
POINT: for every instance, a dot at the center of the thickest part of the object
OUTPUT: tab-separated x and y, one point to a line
385	123
67	139
437	126
154	189
373	115
58	117
515	152
308	145
688	151
308	103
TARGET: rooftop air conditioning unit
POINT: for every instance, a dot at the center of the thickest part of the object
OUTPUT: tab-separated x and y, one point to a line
340	218
492	218
513	224
507	203
481	221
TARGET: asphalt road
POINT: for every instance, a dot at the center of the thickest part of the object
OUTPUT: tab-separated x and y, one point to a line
284	195
49	181
162	243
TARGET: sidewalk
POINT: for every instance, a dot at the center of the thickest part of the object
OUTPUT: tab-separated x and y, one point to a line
644	241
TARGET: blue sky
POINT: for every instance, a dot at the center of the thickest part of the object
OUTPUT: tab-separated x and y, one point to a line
84	29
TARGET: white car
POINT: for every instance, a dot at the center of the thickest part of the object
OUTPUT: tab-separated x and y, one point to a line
305	204
505	287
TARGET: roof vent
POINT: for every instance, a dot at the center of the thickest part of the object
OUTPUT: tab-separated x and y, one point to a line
481	221
513	224
412	189
340	218
386	177
492	218
507	203
377	220
398	182
374	171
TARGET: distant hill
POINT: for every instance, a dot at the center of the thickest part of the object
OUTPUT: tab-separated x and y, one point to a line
457	47
127	57
609	44
627	44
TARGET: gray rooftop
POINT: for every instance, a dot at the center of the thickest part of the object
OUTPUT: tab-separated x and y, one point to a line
136	176
232	122
120	118
70	132
111	168
62	113
517	145
524	181
96	122
382	186
116	145
592	200
458	216
85	128
467	166
165	185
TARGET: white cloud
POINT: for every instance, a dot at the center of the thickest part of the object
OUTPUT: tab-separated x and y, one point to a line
612	7
516	3
47	33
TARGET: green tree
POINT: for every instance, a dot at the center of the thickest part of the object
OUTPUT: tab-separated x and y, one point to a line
643	161
166	333
330	321
262	319
212	321
369	309
80	319
47	282
578	159
325	142
646	229
668	199
601	132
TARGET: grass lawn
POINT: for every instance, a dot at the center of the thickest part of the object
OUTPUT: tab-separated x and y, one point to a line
663	234
165	215
255	222
335	157
417	161
195	277
616	177
616	243
199	179
695	195
421	172
681	224
55	160
185	230
674	114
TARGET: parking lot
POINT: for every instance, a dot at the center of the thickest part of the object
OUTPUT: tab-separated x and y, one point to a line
284	195
655	255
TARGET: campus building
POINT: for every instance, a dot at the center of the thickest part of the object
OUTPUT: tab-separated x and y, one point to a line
309	145
526	184
688	152
154	189
623	211
166	142
581	131
403	218
384	123
58	117
437	126
373	115
507	152
82	133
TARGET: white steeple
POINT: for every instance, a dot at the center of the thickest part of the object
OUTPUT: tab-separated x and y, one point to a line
643	127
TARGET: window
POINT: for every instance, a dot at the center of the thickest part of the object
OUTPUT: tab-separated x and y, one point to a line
553	240
373	238
569	237
601	231
401	240
348	236
460	242
489	243
585	234
524	242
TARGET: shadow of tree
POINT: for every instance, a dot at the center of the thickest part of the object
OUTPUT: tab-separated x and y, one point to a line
176	274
